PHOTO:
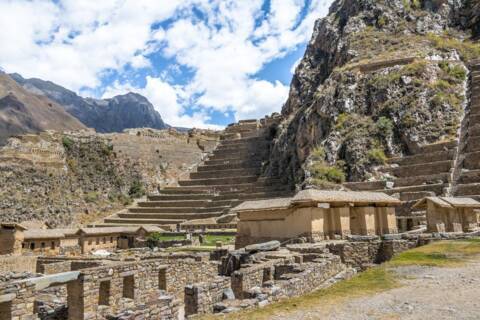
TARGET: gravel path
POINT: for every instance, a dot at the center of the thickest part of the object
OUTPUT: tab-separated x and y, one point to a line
427	293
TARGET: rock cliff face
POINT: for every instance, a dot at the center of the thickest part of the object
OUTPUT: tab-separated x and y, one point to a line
379	78
109	115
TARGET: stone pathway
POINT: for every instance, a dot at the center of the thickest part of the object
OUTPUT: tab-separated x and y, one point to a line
427	293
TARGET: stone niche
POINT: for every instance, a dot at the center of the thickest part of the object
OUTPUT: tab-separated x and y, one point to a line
316	215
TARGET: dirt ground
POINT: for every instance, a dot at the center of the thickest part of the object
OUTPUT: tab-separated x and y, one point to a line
426	293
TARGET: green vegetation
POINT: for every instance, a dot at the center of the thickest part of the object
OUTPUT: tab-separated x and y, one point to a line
91	197
439	254
211	240
136	189
67	143
376	156
453	70
467	49
121	198
384	127
322	173
157	236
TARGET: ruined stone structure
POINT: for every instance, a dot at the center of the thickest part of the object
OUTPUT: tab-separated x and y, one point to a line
440	169
230	175
447	214
316	215
18	240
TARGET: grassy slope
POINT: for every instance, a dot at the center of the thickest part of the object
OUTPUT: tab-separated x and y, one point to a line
374	280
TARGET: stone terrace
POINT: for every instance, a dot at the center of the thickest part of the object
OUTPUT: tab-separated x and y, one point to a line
445	168
230	175
468	175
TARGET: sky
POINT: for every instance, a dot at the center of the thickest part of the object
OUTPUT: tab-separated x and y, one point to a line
202	63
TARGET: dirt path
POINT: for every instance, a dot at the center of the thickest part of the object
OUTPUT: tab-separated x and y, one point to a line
426	293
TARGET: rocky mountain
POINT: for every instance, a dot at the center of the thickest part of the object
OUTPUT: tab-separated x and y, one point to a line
23	112
121	112
378	79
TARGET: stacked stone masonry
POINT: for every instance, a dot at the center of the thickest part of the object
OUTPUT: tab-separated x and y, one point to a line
231	174
444	168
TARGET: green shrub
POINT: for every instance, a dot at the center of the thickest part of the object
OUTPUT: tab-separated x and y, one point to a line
67	143
376	156
323	172
384	126
468	50
136	190
91	197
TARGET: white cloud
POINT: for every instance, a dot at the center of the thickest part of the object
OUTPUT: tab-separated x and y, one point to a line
75	42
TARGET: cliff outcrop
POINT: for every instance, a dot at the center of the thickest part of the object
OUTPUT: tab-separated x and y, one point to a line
378	79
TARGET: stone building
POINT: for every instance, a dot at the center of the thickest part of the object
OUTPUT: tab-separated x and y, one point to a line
16	239
448	214
316	215
11	238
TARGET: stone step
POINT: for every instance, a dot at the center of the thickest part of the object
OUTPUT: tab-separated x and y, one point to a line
237	156
232	162
420	169
435	188
225	173
174	203
218	181
233	142
247	146
474	119
135	221
248	165
176	209
244	187
365	186
253	196
442	146
472	160
470	176
414	196
473	144
179	197
165	216
186	191
423	158
423	179
467	189
474	131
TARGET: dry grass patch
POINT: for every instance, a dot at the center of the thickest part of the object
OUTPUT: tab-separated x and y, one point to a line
438	254
375	280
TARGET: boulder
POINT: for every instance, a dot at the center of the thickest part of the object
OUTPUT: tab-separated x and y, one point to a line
260	247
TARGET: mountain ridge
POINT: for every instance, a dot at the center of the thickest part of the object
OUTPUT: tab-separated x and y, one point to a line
115	114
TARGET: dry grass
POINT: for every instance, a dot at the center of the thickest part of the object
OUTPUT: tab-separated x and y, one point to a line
372	281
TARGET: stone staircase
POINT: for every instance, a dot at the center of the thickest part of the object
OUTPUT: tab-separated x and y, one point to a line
447	168
426	172
230	175
467	178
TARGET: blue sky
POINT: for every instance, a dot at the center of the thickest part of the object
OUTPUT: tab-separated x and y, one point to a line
202	63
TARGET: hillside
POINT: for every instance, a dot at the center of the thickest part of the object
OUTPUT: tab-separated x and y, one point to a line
77	178
108	115
379	79
23	112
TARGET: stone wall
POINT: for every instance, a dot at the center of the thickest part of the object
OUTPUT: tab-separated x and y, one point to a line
251	276
52	267
185	270
18	263
201	297
363	254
